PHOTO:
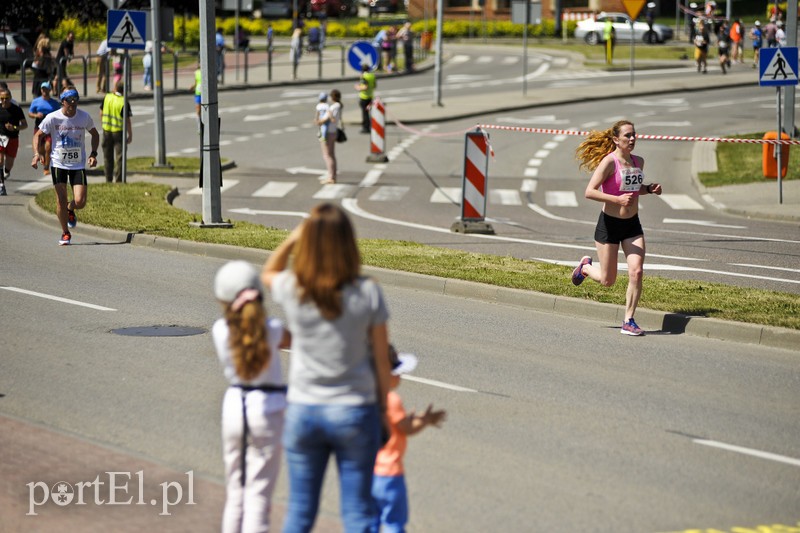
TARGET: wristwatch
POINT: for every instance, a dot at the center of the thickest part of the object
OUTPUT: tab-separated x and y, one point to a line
93	154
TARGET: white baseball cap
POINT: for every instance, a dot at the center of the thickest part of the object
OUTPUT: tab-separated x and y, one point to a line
233	278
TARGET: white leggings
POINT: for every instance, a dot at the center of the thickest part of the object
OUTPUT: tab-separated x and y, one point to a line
247	508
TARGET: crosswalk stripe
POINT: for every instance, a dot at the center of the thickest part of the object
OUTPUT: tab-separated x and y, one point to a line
484	59
510	60
389	193
226	185
561	198
335	190
41	183
446	195
680	202
528	186
275	189
504	197
531	172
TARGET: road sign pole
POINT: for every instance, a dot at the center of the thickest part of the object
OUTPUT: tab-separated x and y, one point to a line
126	68
160	159
778	148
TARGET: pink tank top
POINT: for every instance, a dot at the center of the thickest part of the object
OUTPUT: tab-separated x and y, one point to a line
624	180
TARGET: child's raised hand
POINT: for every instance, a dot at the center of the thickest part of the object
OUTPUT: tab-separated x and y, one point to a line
434	418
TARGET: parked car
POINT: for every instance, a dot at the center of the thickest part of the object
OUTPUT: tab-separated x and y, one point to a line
332	8
382	6
14	49
591	30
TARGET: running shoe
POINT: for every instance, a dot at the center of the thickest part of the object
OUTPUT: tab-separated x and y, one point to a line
72	220
3	190
577	274
66	238
631	328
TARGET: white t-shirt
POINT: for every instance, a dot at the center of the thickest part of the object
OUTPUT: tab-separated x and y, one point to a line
336	112
68	135
271	375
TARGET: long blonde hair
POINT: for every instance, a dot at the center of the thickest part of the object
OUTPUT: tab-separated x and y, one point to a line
598	144
326	258
248	338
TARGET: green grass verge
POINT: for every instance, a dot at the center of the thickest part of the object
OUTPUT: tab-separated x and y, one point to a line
741	163
140	208
176	164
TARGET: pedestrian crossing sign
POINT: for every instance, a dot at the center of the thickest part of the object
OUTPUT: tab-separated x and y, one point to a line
777	66
126	29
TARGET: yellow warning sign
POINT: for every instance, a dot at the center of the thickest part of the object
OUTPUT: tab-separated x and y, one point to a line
633	7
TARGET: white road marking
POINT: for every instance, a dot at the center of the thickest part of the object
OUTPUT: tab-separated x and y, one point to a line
535	162
248	211
541	154
371	177
227	184
749	451
561	198
531	172
306	170
333	191
528	185
680	202
389	193
504	197
783	269
268	116
435	383
58	299
275	189
446	195
700	223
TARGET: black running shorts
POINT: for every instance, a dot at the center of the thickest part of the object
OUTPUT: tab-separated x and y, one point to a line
71	176
613	230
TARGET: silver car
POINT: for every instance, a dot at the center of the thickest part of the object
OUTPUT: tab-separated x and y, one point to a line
14	49
591	30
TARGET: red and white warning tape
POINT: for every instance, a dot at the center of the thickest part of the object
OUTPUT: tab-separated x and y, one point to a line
640	136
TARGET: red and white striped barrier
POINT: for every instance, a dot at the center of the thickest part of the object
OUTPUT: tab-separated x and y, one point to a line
640	136
377	133
474	185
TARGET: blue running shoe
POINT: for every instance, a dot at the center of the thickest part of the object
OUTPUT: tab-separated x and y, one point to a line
72	220
631	328
577	274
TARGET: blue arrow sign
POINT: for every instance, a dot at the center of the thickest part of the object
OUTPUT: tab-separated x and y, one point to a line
360	53
777	66
126	29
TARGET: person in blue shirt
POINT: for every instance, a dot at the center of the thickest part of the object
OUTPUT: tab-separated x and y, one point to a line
220	44
40	108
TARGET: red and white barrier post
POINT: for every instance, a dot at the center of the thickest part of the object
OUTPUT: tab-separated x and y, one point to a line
377	134
474	185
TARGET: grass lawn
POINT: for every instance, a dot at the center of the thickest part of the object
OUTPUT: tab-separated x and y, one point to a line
741	163
140	207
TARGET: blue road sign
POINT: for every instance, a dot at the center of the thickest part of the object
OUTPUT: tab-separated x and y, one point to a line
777	66
126	29
362	52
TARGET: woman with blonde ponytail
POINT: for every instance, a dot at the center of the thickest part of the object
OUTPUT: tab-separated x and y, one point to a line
617	182
248	344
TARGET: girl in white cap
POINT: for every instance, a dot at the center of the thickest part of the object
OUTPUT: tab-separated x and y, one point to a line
248	344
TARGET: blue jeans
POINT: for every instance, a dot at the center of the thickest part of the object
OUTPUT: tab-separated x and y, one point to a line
311	434
391	499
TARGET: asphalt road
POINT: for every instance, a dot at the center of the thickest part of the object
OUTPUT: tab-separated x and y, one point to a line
555	423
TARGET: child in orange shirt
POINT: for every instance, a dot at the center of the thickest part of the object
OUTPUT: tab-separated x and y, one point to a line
389	485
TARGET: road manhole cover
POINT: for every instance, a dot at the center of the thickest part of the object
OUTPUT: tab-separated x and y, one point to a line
159	331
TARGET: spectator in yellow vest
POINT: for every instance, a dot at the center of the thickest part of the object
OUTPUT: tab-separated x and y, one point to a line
111	116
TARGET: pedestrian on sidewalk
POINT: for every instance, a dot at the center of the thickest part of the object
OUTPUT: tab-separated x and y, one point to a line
296	49
701	47
736	34
757	37
366	92
147	64
339	373
197	88
113	111
40	108
617	182
66	51
723	47
330	122
12	121
248	345
389	483
68	126
406	37
102	66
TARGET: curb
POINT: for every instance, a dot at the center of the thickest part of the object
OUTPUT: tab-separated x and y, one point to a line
672	323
